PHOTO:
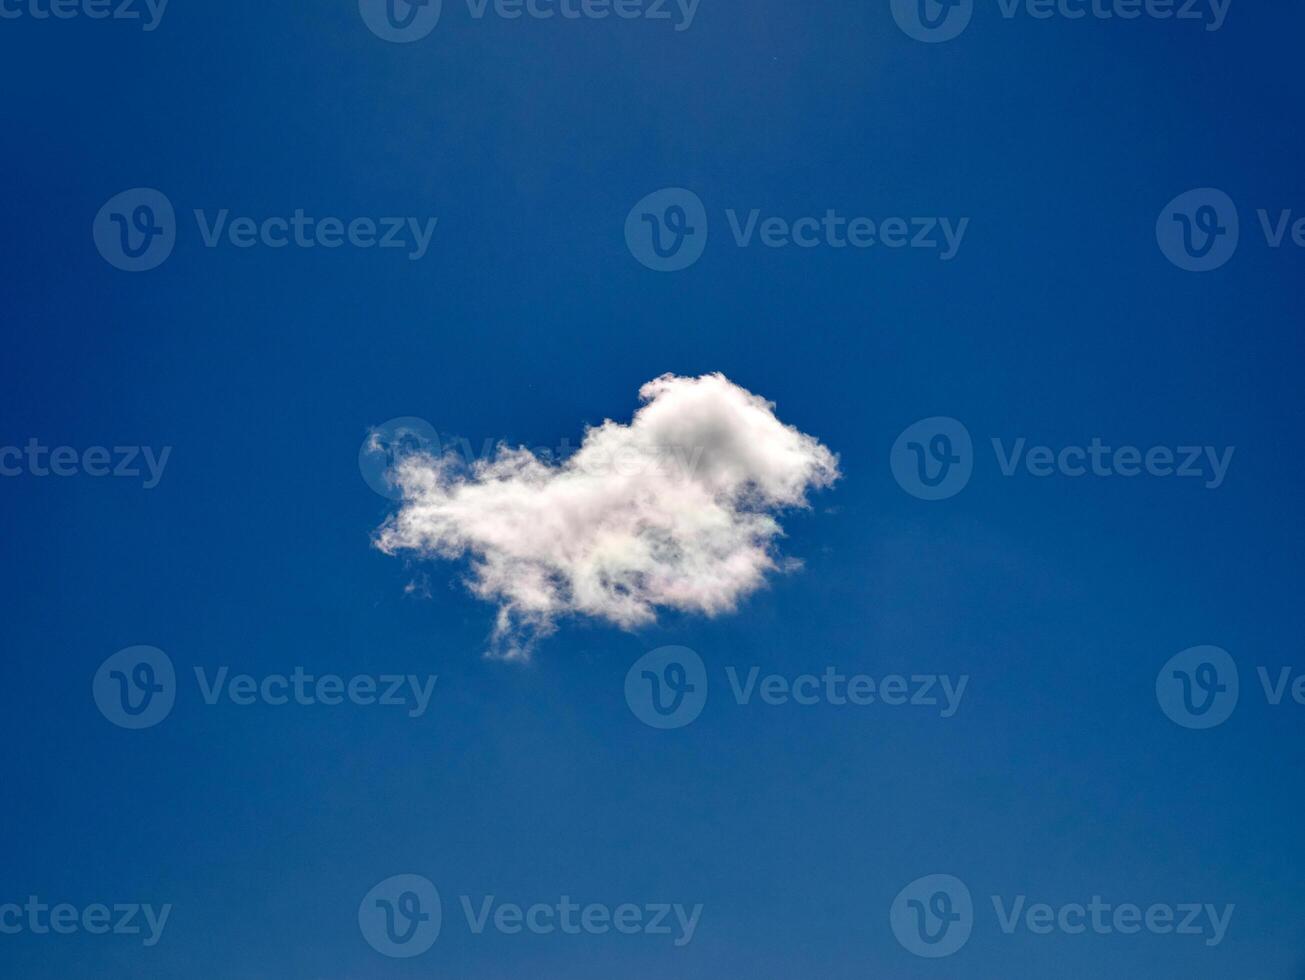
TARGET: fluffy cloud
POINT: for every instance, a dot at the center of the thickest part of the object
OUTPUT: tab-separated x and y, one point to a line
677	510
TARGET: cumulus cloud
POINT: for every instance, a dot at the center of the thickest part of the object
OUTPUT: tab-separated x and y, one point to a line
675	510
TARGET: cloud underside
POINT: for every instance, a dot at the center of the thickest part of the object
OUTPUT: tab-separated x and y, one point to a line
676	510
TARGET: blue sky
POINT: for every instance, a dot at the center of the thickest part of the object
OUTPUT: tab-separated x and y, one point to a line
1059	320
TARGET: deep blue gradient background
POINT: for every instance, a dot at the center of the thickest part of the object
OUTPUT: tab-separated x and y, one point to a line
1058	321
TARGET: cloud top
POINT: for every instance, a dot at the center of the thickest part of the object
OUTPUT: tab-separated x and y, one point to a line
675	510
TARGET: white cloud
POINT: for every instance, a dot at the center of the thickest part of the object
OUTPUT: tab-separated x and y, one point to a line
677	510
